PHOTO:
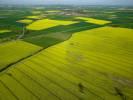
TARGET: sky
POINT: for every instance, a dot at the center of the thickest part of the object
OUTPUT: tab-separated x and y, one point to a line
76	2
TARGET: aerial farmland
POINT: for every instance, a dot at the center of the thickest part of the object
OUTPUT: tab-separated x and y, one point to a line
66	52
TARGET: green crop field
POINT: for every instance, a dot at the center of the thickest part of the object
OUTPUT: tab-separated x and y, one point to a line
66	52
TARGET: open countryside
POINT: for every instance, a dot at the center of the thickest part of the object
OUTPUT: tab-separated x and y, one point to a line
66	52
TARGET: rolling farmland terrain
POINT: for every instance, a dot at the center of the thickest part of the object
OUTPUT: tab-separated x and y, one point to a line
66	52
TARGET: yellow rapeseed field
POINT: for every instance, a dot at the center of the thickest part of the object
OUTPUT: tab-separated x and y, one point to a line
94	21
12	51
92	65
47	23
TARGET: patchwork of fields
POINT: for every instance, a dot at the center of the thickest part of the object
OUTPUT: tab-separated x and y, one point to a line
66	53
91	65
57	34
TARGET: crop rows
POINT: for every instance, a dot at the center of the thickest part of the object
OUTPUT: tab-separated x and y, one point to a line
81	72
